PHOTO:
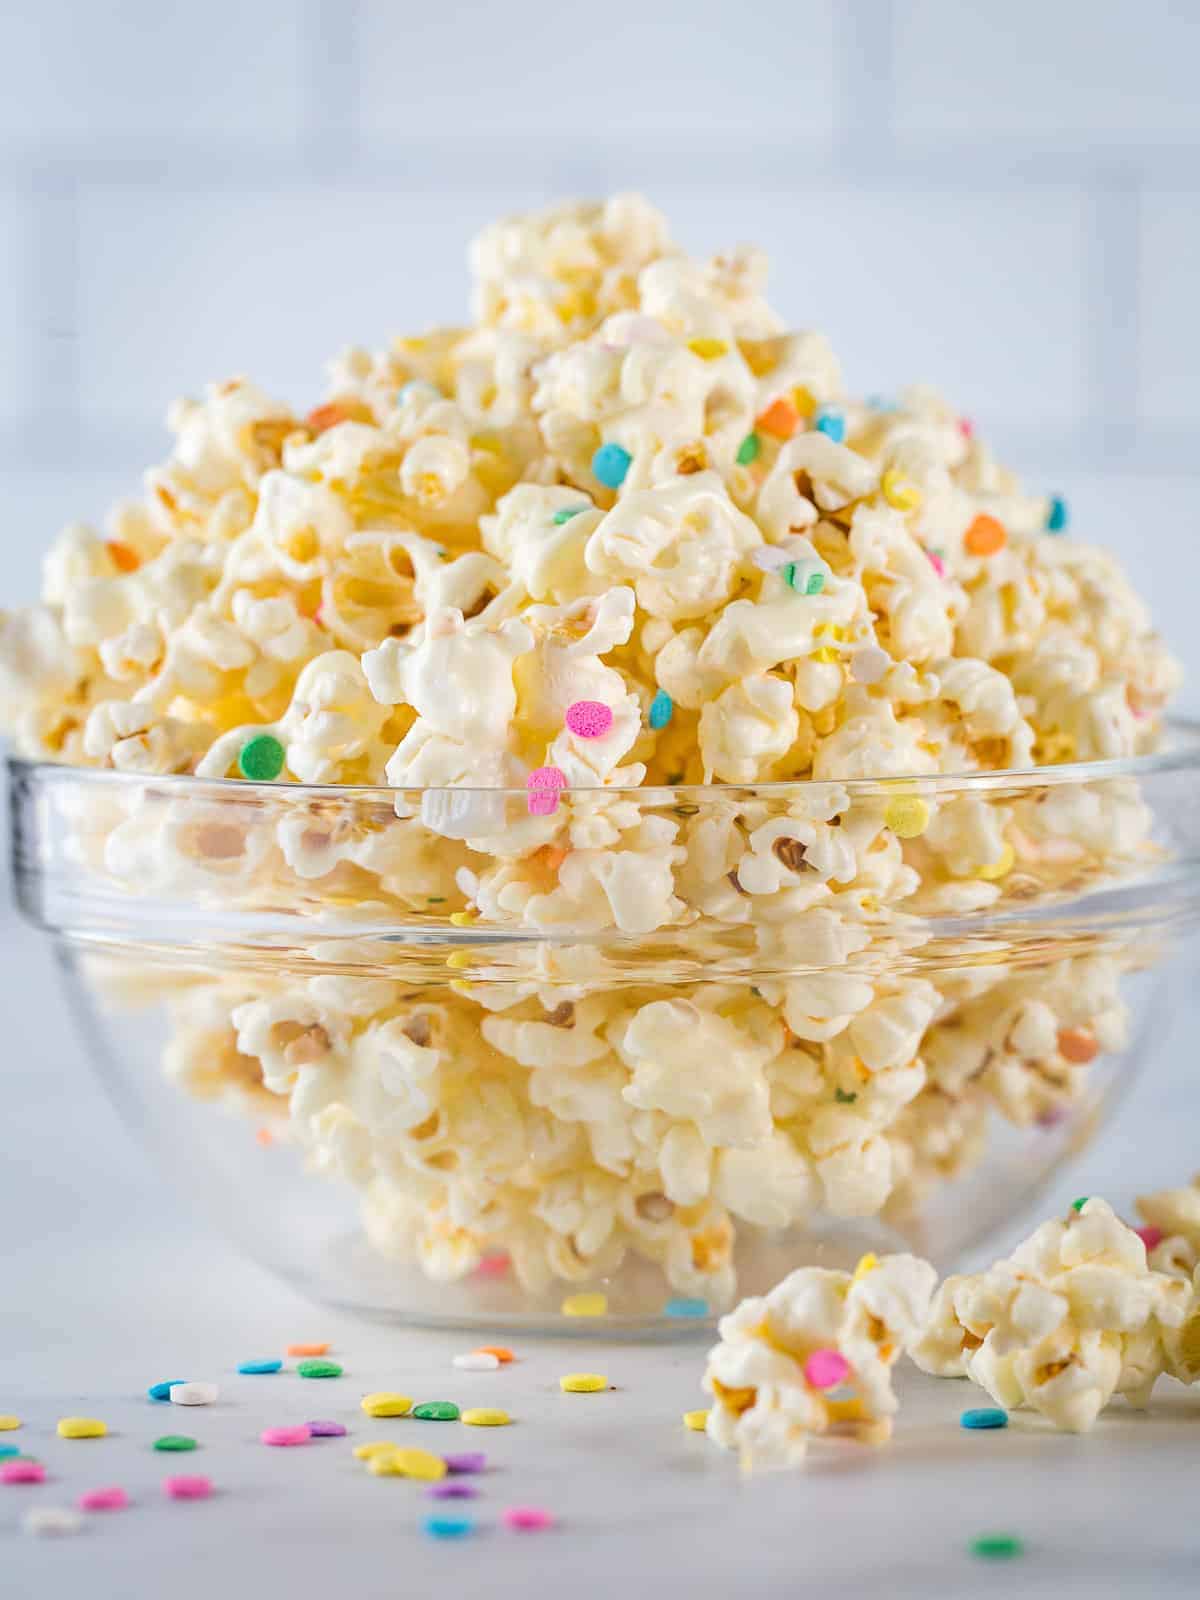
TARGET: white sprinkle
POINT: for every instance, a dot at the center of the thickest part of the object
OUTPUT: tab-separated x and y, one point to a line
477	1361
50	1522
193	1394
769	558
870	664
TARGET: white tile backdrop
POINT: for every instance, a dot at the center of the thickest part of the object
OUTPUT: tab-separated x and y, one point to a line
1002	199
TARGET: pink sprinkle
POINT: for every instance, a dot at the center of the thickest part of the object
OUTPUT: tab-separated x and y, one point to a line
22	1472
466	1461
1151	1237
589	719
282	1436
327	1430
966	427
543	784
494	1266
114	1499
936	562
825	1369
188	1488
450	1490
527	1519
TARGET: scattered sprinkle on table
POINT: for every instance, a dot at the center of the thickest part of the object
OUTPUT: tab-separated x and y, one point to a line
51	1522
527	1519
308	1349
585	1305
826	1369
436	1411
501	1352
162	1391
984	1417
81	1428
8	1423
997	1546
9	1450
374	1447
386	1404
319	1369
193	1394
286	1436
261	758
462	1462
452	1489
485	1417
697	1421
448	1527
476	1361
583	1383
327	1430
22	1471
685	1306
110	1499
257	1369
187	1488
407	1463
175	1441
611	464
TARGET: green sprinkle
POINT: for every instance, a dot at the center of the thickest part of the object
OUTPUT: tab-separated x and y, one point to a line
1078	1205
436	1411
261	758
997	1546
319	1369
748	450
844	1099
566	514
174	1441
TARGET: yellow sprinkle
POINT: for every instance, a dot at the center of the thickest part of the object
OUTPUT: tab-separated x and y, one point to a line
866	1264
458	960
708	349
385	1404
374	1447
460	985
583	1383
485	1417
898	492
464	919
1002	865
7	1424
907	818
697	1421
804	400
81	1428
407	1463
584	1305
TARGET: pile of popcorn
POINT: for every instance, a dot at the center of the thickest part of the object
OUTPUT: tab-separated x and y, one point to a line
1073	1317
622	536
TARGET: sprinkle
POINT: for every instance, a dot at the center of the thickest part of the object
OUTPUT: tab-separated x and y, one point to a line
1150	1236
175	1441
869	664
610	465
114	1499
386	1404
527	1519
984	1417
1078	1205
832	424
81	1428
254	1369
485	1417
327	1430
583	1383
284	1437
1001	867
436	1411
162	1391
662	709
187	1488
806	577
769	558
374	1447
495	1265
997	1546
465	1461
1077	1045
585	1305
308	1349
124	557
565	513
7	1451
684	1306
826	1369
193	1394
936	562
448	1527
326	416
23	1471
907	817
542	786
317	1368
476	1361
501	1352
866	1264
1056	514
452	1489
780	419
696	1421
966	427
407	1463
748	450
8	1423
463	919
261	759
51	1522
589	719
708	349
898	492
985	536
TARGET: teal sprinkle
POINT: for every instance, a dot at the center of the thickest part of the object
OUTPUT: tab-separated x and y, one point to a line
448	1527
662	709
7	1450
162	1391
997	1546
567	512
984	1417
1056	517
684	1306
258	1369
832	424
610	465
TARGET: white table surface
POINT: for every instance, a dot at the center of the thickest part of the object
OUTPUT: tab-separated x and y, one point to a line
109	1285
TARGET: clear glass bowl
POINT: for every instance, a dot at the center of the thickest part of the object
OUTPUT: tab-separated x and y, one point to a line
436	1059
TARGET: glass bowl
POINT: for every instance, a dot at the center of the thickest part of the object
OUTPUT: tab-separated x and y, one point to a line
456	1057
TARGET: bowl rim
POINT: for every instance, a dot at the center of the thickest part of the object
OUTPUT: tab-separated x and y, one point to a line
1182	752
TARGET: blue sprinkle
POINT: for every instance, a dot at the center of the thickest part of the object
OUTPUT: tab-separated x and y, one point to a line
832	423
448	1527
662	709
682	1306
610	465
878	402
567	513
985	1417
162	1391
1056	517
7	1450
253	1369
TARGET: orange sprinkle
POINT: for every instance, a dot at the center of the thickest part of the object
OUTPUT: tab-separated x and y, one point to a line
307	1349
985	536
501	1353
264	1137
1077	1045
326	416
780	419
124	557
